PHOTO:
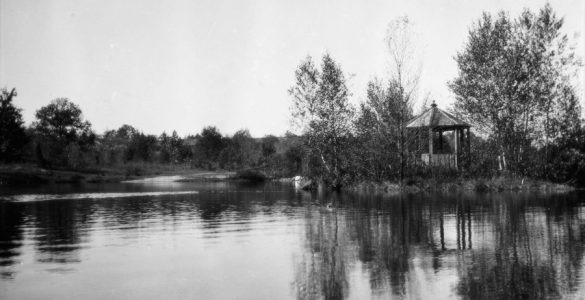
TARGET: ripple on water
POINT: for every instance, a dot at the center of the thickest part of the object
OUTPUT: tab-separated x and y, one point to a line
44	197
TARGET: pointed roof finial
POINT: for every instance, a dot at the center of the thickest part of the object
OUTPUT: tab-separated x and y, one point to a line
434	104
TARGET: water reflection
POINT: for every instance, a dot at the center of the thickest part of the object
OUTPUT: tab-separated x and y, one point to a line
61	230
314	246
536	252
503	247
10	239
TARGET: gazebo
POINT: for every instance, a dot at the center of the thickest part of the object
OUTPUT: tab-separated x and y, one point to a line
437	121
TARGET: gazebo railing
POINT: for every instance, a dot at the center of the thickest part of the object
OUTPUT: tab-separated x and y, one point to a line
448	161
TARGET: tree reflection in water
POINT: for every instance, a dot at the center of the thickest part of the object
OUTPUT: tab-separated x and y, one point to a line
10	239
62	227
322	268
362	246
536	252
496	246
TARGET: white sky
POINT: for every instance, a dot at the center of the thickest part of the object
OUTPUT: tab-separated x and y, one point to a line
164	65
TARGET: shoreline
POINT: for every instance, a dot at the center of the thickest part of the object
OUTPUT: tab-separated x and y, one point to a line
29	174
503	183
18	174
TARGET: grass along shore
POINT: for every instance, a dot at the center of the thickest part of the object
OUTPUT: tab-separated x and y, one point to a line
32	174
499	183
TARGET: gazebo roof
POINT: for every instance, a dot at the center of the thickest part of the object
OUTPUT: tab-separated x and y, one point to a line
436	118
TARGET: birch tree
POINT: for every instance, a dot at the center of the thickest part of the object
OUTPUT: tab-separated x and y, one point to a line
321	111
515	81
391	100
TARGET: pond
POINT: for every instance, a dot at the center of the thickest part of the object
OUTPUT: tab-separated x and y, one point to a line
222	240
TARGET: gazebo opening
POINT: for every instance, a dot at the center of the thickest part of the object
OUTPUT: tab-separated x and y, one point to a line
443	150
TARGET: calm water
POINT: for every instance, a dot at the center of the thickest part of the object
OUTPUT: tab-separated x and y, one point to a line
170	240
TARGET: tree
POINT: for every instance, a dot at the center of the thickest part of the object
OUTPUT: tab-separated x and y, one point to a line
126	132
269	145
294	156
240	152
113	144
321	110
63	121
395	106
375	150
61	127
165	148
171	148
514	82
142	148
176	146
404	66
208	147
12	134
382	121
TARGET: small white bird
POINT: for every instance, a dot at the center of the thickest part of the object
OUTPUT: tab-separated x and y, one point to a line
329	206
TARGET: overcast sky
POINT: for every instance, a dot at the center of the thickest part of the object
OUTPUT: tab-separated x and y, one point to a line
164	65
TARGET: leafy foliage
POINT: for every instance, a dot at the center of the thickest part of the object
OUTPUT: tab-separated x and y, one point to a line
62	134
381	126
209	145
323	113
240	152
514	82
62	121
12	133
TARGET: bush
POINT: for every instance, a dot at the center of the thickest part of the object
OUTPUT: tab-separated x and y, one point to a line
250	175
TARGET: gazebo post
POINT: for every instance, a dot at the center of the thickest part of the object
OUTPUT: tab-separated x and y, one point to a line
440	139
430	141
468	142
456	142
468	155
462	138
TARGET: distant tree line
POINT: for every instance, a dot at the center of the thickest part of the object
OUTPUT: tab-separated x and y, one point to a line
515	86
61	138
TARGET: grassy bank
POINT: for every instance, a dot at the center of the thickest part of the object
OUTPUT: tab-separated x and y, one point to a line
493	184
32	174
241	175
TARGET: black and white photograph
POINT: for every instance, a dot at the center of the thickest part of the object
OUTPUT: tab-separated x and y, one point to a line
279	149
